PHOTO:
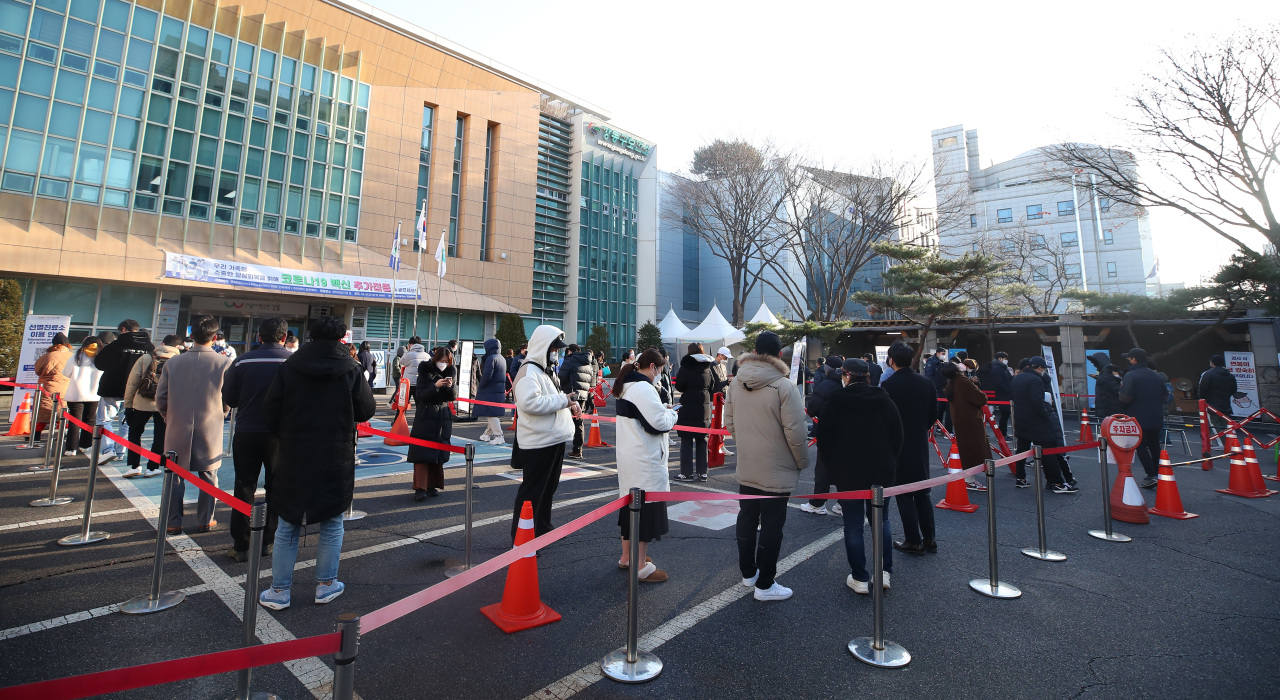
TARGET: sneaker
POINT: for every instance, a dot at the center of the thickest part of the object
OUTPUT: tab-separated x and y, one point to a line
498	441
682	477
857	586
273	599
702	478
237	554
1072	482
836	509
774	592
751	582
727	451
1021	483
105	457
326	592
1065	488
884	578
576	454
152	472
819	510
484	438
1149	483
975	486
69	453
136	471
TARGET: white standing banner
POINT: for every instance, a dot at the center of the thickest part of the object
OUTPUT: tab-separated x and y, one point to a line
380	375
798	352
1245	401
1047	353
882	357
462	364
167	315
37	335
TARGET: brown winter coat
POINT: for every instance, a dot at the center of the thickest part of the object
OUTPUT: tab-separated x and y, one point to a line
970	424
190	399
49	369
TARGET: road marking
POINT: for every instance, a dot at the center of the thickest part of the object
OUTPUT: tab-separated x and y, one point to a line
62	519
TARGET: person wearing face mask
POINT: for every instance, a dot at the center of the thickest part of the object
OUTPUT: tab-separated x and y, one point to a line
642	452
432	422
220	346
492	388
49	369
82	393
290	343
999	380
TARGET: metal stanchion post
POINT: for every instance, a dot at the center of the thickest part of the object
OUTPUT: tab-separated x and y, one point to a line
231	434
35	411
56	438
352	513
52	430
466	562
156	601
1043	553
1105	533
86	536
344	670
992	586
875	650
257	523
632	665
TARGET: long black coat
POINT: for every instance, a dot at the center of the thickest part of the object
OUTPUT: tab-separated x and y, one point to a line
492	386
831	383
917	404
1031	415
694	381
312	408
1107	395
1142	395
860	437
433	420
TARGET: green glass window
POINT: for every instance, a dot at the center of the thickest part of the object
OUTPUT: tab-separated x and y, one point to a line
171	33
97	125
333	215
308	81
78	37
185	117
92	165
6	106
288	70
253	162
115	14
139	54
192	69
300	143
31	112
73	299
315	205
207	152
339	155
297	171
326	84
65	120
24	152
180	146
46	27
110	45
230	157
276	169
120	169
353	185
258	134
267	64
217	80
353	212
153	140
226	190
150	175
272	203
249	193
9	71
262	91
85	9
144	23
119	303
211	122
221	51
126	133
70	86
244	56
131	102
158	109
357	158
102	95
336	179
305	101
320	152
295	202
37	78
240	85
202	185
175	184
280	139
235	128
317	176
197	39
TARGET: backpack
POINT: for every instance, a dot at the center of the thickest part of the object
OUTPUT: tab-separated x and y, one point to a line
151	379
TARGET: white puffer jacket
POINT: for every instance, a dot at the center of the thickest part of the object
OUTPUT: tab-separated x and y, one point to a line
542	409
84	379
642	455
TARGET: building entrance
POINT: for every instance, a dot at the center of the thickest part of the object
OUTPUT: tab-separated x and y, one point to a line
239	318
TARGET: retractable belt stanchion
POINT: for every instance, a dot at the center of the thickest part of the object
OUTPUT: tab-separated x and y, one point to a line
157	601
352	513
466	562
257	523
991	586
1043	553
231	433
86	536
48	441
344	670
56	438
35	411
1105	533
875	650
632	665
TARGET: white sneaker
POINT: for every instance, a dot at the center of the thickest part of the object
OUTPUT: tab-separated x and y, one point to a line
485	438
153	472
820	510
105	457
885	574
751	582
857	586
836	509
69	453
498	441
136	471
774	592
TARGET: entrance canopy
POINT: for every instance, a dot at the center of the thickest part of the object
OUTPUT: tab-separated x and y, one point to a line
672	327
764	315
714	328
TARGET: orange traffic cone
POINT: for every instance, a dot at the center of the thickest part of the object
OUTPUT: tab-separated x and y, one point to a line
1086	431
593	438
1168	502
1239	482
22	421
957	497
1255	469
399	426
521	607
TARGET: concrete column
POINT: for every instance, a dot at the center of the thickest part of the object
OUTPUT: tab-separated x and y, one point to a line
1074	364
1264	341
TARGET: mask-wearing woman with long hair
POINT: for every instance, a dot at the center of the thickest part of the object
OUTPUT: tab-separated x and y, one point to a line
82	393
433	422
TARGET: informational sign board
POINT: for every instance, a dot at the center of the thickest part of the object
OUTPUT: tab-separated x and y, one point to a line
359	322
466	354
882	356
798	352
1245	401
1047	353
238	274
380	376
37	336
167	315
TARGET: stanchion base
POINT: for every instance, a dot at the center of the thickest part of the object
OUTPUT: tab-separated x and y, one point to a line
77	538
891	656
646	668
258	695
46	502
1048	555
455	570
1113	537
353	515
143	604
39	469
1000	590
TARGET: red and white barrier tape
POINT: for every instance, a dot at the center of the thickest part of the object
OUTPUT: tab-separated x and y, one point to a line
367	430
1071	448
609	419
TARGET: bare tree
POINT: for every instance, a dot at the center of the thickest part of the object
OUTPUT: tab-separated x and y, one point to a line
729	202
1209	123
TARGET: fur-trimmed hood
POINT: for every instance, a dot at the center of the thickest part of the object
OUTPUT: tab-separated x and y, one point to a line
756	370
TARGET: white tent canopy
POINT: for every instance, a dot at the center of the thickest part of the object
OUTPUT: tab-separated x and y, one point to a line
714	328
672	327
764	315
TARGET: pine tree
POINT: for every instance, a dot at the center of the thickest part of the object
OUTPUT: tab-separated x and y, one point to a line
511	332
11	324
648	336
598	341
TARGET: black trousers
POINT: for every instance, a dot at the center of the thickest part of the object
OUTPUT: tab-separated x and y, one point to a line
1002	419
541	471
252	453
821	482
758	550
86	412
138	423
693	452
1149	451
578	427
1055	467
916	510
944	414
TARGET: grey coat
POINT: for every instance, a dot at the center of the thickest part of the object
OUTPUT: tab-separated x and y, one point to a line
190	399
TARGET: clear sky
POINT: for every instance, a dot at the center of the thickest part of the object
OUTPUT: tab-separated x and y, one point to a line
851	80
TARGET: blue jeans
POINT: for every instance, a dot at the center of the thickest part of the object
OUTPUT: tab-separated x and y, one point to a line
854	547
285	554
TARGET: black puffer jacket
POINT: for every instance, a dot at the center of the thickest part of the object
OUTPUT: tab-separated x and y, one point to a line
694	381
433	420
1107	395
999	380
832	382
859	437
578	375
1217	386
1031	415
1142	395
312	407
117	359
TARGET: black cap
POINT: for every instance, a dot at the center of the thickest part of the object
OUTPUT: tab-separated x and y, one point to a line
856	366
558	342
1036	362
61	339
1139	355
833	361
768	343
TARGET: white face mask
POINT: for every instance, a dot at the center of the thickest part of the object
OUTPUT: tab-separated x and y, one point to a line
554	357
442	365
292	348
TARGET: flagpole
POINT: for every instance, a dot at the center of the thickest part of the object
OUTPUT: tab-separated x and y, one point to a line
419	237
391	328
439	288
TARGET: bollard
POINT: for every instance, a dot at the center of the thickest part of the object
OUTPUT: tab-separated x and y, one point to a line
56	438
1043	553
156	601
86	536
52	428
875	650
344	671
1105	533
466	562
632	665
257	524
991	586
35	411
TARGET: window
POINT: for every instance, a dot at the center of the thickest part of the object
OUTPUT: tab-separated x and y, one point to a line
1111	270
1034	211
459	142
1066	208
1004	216
1072	270
484	200
1107	237
1069	238
1104	204
973	221
1038	243
1040	273
948	141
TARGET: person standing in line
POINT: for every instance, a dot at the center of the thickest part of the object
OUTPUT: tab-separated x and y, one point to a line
116	361
312	407
764	411
409	364
49	371
931	367
82	394
694	381
664	380
368	362
720	382
253	446
189	398
290	343
832	373
1037	423
1143	394
221	346
577	379
1000	381
1106	391
518	360
140	405
432	422
492	387
545	424
860	437
917	405
643	452
1217	387
966	401
628	358
874	368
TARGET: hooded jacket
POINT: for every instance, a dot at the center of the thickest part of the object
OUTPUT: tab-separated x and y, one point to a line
493	380
117	359
132	399
1032	417
409	363
433	420
695	381
860	437
999	380
84	377
1107	394
832	381
764	411
643	424
247	381
542	409
312	407
1142	395
1217	386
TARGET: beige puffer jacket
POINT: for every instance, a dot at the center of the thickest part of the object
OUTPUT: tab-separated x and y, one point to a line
764	411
